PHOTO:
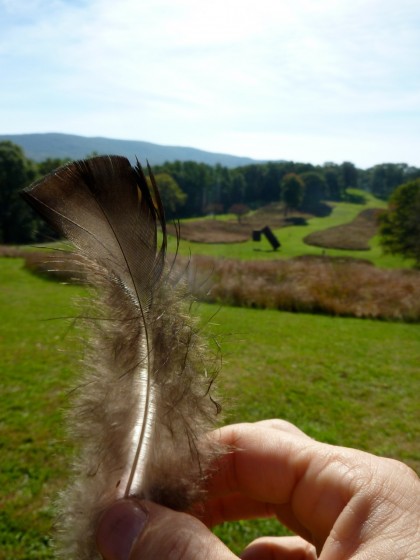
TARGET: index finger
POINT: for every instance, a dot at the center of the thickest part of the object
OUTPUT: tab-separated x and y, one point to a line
258	457
275	468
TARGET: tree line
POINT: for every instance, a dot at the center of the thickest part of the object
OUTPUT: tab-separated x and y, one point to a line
195	189
215	189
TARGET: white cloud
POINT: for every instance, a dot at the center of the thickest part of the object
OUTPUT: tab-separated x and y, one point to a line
241	76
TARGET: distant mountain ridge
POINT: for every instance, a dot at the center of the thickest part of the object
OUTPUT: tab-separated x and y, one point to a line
40	146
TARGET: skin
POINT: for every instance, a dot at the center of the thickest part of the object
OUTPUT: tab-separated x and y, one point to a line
343	504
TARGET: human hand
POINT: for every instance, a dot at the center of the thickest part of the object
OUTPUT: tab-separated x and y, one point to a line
347	503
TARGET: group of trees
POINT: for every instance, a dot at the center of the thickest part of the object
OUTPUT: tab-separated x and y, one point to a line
381	180
194	189
216	189
18	224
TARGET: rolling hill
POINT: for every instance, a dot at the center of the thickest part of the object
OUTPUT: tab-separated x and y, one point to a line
41	146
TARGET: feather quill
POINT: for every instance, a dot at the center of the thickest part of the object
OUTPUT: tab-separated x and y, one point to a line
144	405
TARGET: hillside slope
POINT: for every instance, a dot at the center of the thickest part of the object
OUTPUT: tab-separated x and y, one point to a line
56	145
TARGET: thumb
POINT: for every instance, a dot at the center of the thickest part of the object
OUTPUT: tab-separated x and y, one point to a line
134	530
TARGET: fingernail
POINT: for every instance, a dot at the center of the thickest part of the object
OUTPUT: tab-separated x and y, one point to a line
119	528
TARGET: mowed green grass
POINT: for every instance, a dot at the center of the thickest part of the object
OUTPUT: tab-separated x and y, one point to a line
344	381
35	376
291	238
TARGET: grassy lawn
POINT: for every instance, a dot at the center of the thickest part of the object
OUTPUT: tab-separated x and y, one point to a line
347	381
292	242
34	381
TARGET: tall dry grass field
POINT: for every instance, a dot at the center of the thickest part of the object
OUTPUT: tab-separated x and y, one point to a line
311	285
327	285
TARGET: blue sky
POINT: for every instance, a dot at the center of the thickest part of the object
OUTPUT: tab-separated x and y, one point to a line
306	80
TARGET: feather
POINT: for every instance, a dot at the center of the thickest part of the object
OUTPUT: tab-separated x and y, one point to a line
144	405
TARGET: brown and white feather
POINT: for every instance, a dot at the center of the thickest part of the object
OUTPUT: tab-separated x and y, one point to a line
143	405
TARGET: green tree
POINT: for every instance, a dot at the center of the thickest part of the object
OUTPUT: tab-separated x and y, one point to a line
334	180
195	180
17	222
49	164
315	190
173	198
400	225
238	187
292	189
349	175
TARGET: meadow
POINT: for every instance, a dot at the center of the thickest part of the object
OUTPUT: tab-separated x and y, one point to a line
292	238
324	264
308	284
345	381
